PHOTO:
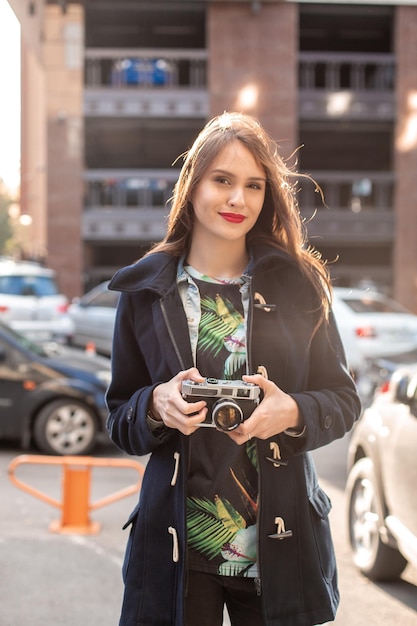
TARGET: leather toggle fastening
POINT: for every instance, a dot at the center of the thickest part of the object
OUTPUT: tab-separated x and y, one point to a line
275	462
265	307
176	468
260	303
276	455
281	532
175	548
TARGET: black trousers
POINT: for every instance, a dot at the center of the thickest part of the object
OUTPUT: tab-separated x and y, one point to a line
209	593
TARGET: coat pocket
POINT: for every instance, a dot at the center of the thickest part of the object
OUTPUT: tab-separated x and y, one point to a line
320	507
131	521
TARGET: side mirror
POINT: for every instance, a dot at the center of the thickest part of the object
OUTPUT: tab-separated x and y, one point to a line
406	389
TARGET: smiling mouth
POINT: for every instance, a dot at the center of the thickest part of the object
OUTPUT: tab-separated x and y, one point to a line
235	218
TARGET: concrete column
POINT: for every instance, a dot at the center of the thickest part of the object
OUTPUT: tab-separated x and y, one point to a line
252	51
405	249
63	65
33	153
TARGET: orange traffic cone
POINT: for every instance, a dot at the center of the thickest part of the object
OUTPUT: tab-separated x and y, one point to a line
90	348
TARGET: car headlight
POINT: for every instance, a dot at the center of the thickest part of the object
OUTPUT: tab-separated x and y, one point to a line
104	376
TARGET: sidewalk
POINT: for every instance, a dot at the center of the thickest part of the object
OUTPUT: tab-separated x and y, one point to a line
50	579
56	579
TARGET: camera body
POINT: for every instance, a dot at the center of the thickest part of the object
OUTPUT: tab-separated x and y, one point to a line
229	402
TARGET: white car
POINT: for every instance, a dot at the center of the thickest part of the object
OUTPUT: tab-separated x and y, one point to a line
371	325
93	317
30	302
381	486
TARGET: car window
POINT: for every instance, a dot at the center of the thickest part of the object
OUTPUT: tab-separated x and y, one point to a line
22	341
28	286
371	305
12	359
106	299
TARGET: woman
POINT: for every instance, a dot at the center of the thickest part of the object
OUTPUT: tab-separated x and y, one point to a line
231	517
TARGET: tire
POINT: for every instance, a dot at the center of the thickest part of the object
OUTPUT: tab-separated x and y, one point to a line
65	427
372	557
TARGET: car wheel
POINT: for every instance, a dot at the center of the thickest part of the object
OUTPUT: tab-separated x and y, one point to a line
373	558
65	427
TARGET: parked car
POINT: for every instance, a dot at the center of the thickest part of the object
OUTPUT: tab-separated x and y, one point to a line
375	374
52	396
93	318
371	325
30	301
382	464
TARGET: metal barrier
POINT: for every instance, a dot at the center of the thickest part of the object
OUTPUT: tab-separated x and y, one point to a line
76	479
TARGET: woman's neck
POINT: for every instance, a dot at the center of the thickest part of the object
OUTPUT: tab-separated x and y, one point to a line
218	263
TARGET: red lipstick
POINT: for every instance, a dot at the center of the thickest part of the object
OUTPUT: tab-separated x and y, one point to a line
235	218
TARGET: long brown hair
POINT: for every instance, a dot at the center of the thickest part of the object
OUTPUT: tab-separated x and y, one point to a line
279	223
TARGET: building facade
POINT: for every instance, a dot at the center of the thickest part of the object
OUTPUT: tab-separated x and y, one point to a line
114	92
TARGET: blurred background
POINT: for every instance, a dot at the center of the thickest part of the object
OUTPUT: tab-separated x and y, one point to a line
98	99
113	92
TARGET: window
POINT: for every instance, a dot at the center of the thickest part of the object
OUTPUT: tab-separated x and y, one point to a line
28	286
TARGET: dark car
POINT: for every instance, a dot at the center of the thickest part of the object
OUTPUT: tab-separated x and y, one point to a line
52	396
376	373
381	486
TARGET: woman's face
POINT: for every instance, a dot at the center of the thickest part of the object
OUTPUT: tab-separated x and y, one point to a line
229	197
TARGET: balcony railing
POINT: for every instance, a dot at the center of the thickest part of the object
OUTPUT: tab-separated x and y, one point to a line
140	189
337	71
346	85
349	191
162	82
331	227
133	204
127	204
146	83
146	68
357	207
123	224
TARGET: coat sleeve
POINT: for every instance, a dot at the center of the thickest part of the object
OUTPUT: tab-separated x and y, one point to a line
130	389
330	403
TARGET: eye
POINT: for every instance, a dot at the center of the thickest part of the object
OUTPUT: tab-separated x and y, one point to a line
222	180
256	186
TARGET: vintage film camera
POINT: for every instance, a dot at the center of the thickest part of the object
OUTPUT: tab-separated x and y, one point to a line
229	402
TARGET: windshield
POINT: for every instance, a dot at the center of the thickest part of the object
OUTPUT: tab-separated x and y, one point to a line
23	341
366	304
28	286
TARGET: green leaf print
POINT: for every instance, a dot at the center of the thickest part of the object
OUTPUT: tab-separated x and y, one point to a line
211	525
222	326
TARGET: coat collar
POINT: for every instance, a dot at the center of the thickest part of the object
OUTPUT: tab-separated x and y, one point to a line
158	272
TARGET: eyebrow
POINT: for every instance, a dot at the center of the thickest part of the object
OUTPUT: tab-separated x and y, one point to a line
225	172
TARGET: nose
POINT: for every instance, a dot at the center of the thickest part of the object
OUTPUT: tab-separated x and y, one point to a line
237	196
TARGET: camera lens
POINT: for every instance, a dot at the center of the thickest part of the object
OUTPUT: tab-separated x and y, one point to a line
227	415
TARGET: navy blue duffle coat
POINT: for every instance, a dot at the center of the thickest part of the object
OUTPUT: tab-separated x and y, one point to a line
298	577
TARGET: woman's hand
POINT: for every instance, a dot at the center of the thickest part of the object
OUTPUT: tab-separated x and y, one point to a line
274	414
169	406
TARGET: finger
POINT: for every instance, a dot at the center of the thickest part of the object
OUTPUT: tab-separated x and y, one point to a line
188	424
240	437
192	408
192	374
259	380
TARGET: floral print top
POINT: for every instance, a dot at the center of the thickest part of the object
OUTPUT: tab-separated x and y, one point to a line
223	478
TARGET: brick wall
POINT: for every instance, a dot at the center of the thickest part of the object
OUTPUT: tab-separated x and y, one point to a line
254	55
62	58
405	251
